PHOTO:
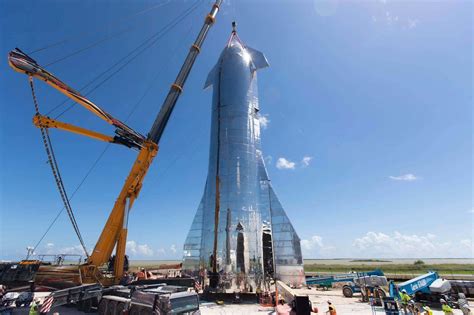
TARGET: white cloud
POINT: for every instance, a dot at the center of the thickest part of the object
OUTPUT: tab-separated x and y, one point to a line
284	164
412	23
315	248
173	248
139	249
390	19
306	160
469	245
407	177
268	159
51	249
398	245
264	121
72	250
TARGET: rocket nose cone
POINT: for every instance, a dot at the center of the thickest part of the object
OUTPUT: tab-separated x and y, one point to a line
234	42
236	50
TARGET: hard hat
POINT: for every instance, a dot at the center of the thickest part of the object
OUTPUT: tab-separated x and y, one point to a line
329	302
426	308
442	301
404	291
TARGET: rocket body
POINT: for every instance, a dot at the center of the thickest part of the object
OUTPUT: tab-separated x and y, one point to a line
240	234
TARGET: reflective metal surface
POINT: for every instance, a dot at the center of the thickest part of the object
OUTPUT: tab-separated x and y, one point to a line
247	239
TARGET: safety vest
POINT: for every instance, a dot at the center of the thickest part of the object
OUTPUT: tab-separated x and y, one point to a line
405	298
34	308
447	309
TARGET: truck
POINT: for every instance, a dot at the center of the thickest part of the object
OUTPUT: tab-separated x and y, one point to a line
426	289
349	287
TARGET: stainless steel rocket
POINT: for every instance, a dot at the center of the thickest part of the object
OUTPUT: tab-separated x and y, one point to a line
240	238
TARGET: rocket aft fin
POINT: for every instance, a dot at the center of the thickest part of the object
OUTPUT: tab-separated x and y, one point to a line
258	58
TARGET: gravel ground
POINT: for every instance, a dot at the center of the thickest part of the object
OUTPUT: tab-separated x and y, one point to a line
344	306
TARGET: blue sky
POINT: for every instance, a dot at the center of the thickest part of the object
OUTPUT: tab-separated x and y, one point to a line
375	97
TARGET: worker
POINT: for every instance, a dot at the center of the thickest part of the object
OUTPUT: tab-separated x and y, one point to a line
464	304
447	310
331	309
427	310
126	279
282	308
34	307
404	299
141	275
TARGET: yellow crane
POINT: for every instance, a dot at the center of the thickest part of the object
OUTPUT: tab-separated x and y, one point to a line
114	233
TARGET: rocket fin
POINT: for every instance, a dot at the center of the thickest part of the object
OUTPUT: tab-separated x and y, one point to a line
211	76
258	58
286	242
192	244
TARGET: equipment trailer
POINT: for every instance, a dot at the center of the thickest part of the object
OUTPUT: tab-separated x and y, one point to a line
134	299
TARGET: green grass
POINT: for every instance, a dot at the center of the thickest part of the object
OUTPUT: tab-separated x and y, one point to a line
445	269
369	260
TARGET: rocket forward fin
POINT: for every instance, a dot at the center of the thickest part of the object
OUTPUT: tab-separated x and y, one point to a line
211	77
258	58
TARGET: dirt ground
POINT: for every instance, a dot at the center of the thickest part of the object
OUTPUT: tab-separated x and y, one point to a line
344	306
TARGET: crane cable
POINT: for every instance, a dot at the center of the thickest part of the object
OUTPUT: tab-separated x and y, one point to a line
178	19
108	25
133	54
54	167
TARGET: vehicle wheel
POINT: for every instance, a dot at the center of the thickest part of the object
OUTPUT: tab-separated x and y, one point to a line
137	310
86	306
134	310
382	293
119	308
347	292
103	305
80	306
111	308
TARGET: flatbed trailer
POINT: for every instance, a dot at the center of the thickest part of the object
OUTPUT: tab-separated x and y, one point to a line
135	299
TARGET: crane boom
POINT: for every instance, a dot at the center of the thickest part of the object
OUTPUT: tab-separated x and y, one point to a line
114	233
115	230
177	87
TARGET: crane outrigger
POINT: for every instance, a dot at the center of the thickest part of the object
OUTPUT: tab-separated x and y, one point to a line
114	233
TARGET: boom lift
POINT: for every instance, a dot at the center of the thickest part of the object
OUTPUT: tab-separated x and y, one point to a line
114	233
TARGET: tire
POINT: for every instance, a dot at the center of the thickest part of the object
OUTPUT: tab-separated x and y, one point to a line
102	308
134	310
382	293
119	308
347	292
112	306
80	306
138	310
86	306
